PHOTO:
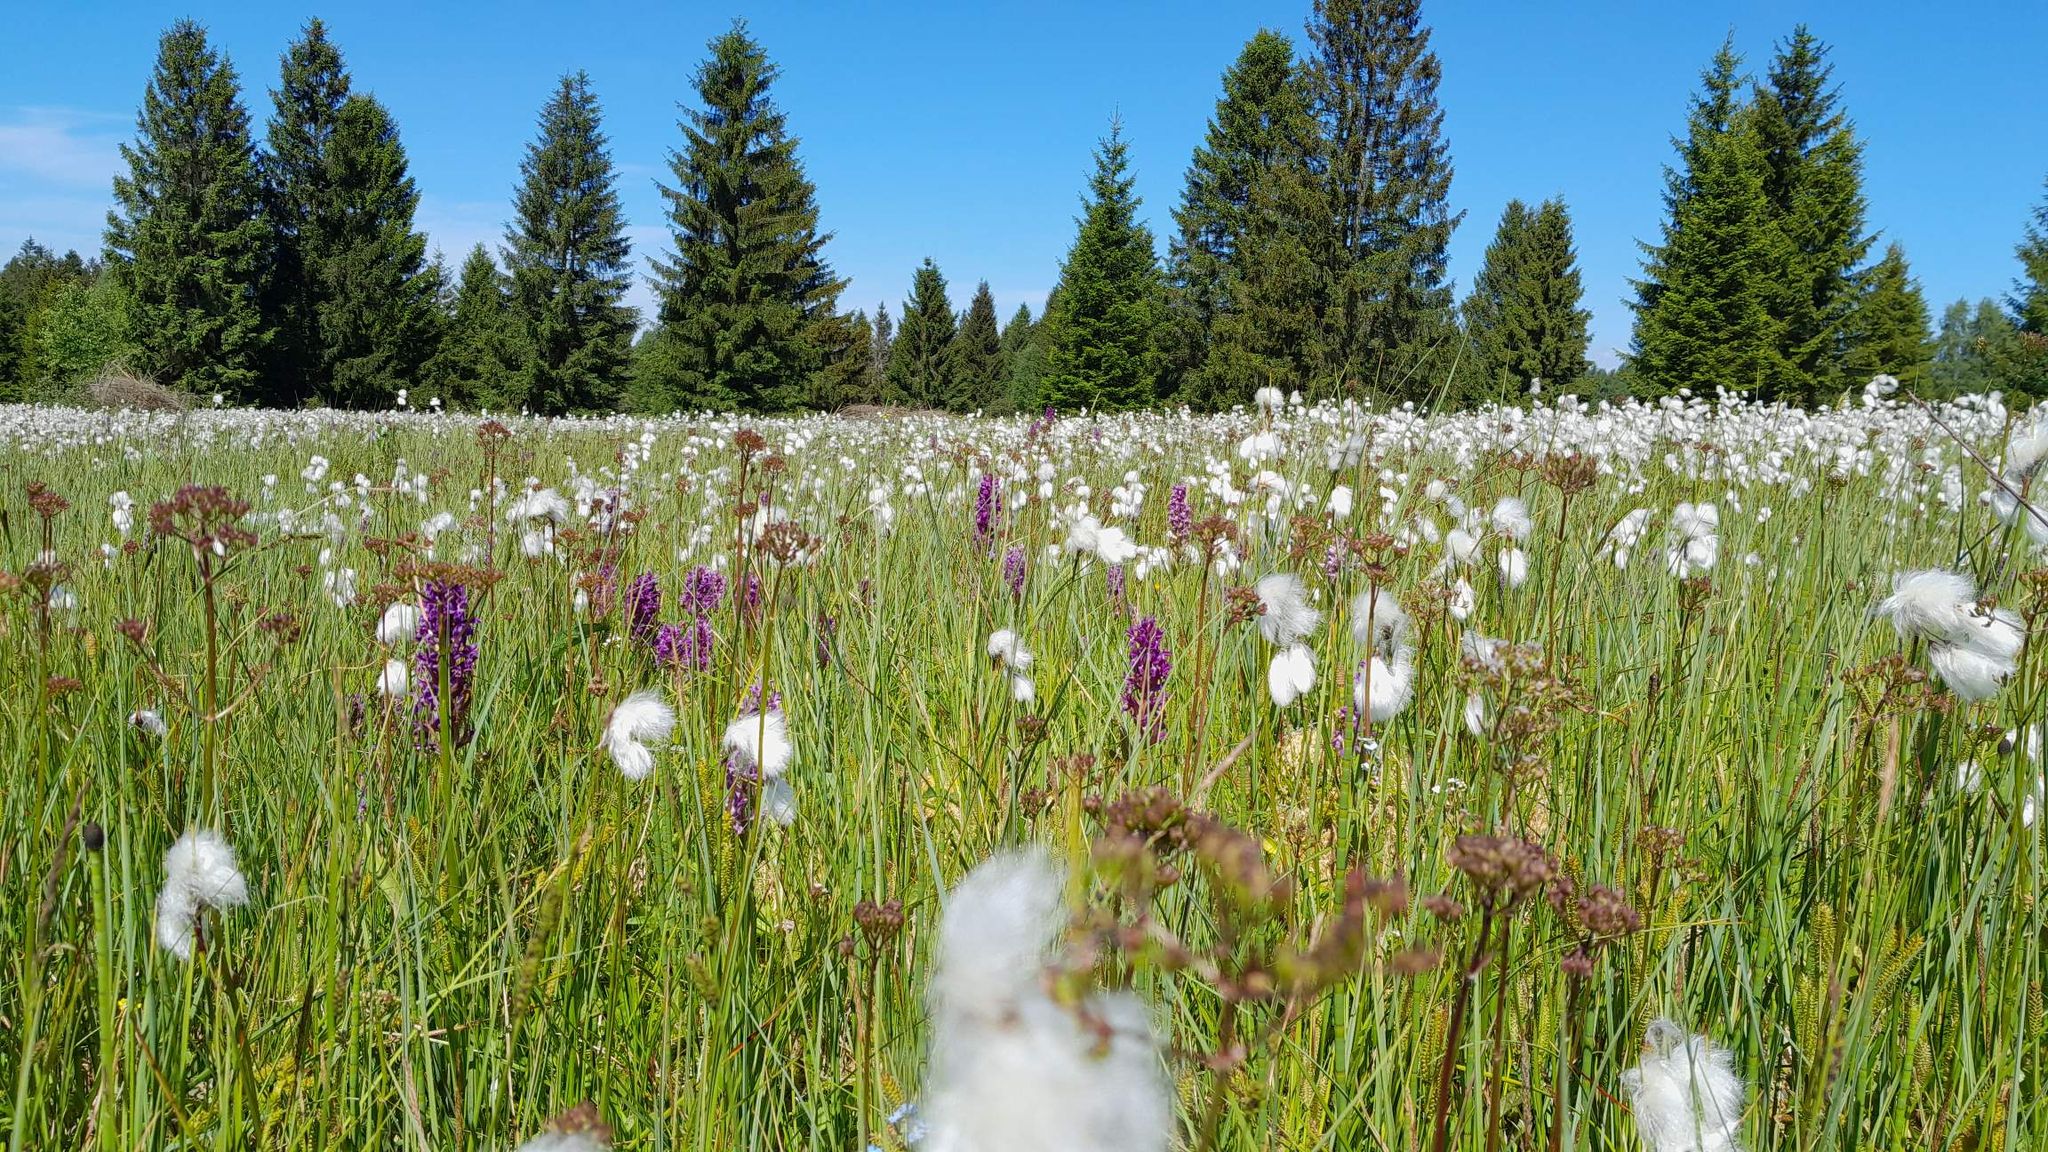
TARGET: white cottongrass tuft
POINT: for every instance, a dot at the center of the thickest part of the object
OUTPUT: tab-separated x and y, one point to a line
148	721
760	741
1463	600
395	680
1685	1093
1386	685
1696	545
537	504
1973	649
399	624
1011	1069
1288	615
1269	400
1010	655
1511	518
639	719
565	1142
1378	619
1514	567
1624	536
1291	675
199	872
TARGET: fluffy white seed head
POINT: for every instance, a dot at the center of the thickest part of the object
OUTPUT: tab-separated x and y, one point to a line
1685	1093
1511	518
760	740
394	681
399	624
1008	651
1291	675
1386	686
199	872
1378	619
1289	616
640	719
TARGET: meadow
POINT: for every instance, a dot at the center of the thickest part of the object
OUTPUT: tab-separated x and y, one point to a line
1592	785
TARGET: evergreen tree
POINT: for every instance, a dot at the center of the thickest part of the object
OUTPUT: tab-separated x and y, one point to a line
375	298
570	333
1889	329
1523	317
186	241
920	362
881	341
468	369
976	371
749	276
1972	340
1388	180
1023	360
844	343
1101	328
2029	300
1263	135
301	210
30	282
1813	180
1708	305
1273	333
81	331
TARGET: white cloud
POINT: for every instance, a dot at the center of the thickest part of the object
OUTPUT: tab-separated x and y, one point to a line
64	147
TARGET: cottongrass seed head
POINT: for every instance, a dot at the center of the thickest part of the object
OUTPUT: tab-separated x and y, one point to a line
1288	616
1291	675
199	873
1011	1069
640	719
760	741
1685	1093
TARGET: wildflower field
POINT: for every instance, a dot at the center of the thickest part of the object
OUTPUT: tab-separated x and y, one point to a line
1308	777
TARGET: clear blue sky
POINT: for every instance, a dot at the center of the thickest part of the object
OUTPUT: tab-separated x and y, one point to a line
962	131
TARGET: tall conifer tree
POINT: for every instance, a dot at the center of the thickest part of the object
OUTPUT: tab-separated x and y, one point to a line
1523	317
1388	179
920	359
301	210
185	240
749	280
1889	330
469	366
977	354
570	332
1101	327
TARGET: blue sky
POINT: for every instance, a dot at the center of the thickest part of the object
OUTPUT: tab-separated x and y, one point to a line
963	131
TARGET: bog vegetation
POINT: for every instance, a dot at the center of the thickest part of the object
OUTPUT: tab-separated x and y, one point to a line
1305	776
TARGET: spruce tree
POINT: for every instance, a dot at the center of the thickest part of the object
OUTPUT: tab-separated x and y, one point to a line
920	359
749	277
1972	339
1263	135
2029	299
186	241
468	369
1102	326
881	341
1388	178
1889	330
844	342
570	335
1813	180
976	371
1709	304
1523	317
301	211
1023	359
375	298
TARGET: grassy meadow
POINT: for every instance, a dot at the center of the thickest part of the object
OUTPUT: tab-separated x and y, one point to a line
1753	810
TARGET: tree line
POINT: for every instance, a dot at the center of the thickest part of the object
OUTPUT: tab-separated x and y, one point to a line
1307	252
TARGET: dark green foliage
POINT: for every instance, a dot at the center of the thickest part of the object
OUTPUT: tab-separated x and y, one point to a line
1710	304
1388	178
1023	361
186	239
976	370
2029	300
376	318
844	344
570	333
920	361
301	211
881	342
1101	326
1813	181
1888	329
741	299
1247	293
1523	317
1970	339
469	369
32	283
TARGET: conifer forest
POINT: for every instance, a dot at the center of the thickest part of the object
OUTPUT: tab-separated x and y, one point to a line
1267	694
